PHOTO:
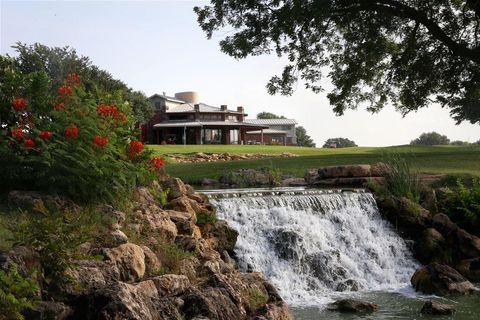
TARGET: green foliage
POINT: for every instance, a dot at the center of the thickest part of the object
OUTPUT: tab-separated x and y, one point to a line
431	139
303	139
171	256
55	235
405	53
17	293
57	62
459	143
73	166
256	298
269	115
401	180
251	178
339	143
206	218
463	205
160	196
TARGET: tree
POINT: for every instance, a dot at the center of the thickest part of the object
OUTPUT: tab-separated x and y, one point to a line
430	139
303	139
57	62
269	115
405	52
339	143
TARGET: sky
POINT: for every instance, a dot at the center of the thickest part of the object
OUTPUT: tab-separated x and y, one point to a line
157	46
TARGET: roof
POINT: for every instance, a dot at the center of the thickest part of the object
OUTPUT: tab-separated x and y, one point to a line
190	107
173	99
272	122
268	131
180	124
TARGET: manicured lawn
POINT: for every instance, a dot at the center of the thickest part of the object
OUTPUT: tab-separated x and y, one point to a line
438	159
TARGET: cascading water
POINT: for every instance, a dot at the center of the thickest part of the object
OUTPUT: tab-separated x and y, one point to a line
313	245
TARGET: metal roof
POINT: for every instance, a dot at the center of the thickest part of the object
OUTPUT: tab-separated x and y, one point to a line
190	107
268	131
173	99
180	124
271	122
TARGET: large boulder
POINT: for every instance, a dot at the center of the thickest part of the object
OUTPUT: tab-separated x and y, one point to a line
176	188
130	260
49	310
352	305
213	303
470	269
25	259
441	280
184	221
468	244
347	171
431	247
152	263
171	284
153	220
226	236
406	215
435	308
443	224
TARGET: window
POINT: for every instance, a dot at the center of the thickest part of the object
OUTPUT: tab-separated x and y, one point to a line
286	127
212	136
158	105
234	136
178	117
211	117
232	118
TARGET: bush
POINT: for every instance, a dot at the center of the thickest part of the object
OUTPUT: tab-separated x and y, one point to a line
401	180
206	218
463	206
256	298
431	139
339	143
78	142
17	293
55	235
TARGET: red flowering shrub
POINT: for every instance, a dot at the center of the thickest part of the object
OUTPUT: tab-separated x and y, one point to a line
157	162
71	132
45	135
93	119
29	143
19	104
100	141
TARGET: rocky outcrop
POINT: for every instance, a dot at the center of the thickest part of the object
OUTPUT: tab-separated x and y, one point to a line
215	157
441	280
352	306
342	176
435	308
130	275
470	269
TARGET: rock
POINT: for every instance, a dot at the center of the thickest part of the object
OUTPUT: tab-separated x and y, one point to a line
209	182
188	267
130	260
25	259
87	278
155	221
152	264
294	182
226	235
435	308
30	199
470	269
176	188
379	169
184	221
351	305
431	247
143	195
188	243
126	301
276	311
348	285
468	244
346	182
49	310
311	176
443	224
406	215
441	280
347	171
185	204
213	303
115	238
171	284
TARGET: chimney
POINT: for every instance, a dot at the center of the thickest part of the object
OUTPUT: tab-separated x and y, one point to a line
223	107
240	109
196	107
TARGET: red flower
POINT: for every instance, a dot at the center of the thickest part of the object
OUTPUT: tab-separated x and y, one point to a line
100	141
157	162
29	143
45	135
17	133
135	148
19	104
106	110
120	116
71	132
65	90
73	79
59	106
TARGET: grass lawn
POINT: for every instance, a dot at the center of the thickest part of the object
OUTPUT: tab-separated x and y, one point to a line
438	159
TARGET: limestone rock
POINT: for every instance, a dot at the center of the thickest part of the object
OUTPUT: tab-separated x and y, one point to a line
185	204
277	311
152	218
116	237
352	305
470	269
294	182
25	259
152	264
347	171
171	284
436	308
143	195
184	221
468	244
213	303
49	310
176	188
443	224
130	260
88	278
379	169
431	247
226	235
441	280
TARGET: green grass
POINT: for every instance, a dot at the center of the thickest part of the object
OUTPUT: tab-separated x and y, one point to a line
437	159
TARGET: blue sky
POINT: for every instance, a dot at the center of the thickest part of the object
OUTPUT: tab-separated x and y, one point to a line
157	46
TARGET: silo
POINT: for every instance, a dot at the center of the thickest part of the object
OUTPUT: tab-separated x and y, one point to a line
188	96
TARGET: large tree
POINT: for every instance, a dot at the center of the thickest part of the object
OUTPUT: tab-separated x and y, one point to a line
303	139
431	139
406	52
269	115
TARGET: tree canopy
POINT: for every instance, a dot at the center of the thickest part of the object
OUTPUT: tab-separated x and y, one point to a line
57	62
269	115
409	53
431	139
303	139
339	143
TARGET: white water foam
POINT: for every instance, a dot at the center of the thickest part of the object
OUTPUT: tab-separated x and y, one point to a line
315	246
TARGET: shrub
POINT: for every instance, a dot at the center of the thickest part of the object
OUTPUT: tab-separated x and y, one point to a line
17	293
431	139
339	143
171	256
256	298
206	218
55	235
79	142
401	180
463	206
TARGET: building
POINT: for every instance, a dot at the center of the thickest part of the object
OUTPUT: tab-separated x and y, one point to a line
183	119
279	131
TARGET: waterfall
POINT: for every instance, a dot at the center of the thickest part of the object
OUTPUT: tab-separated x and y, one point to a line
314	245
